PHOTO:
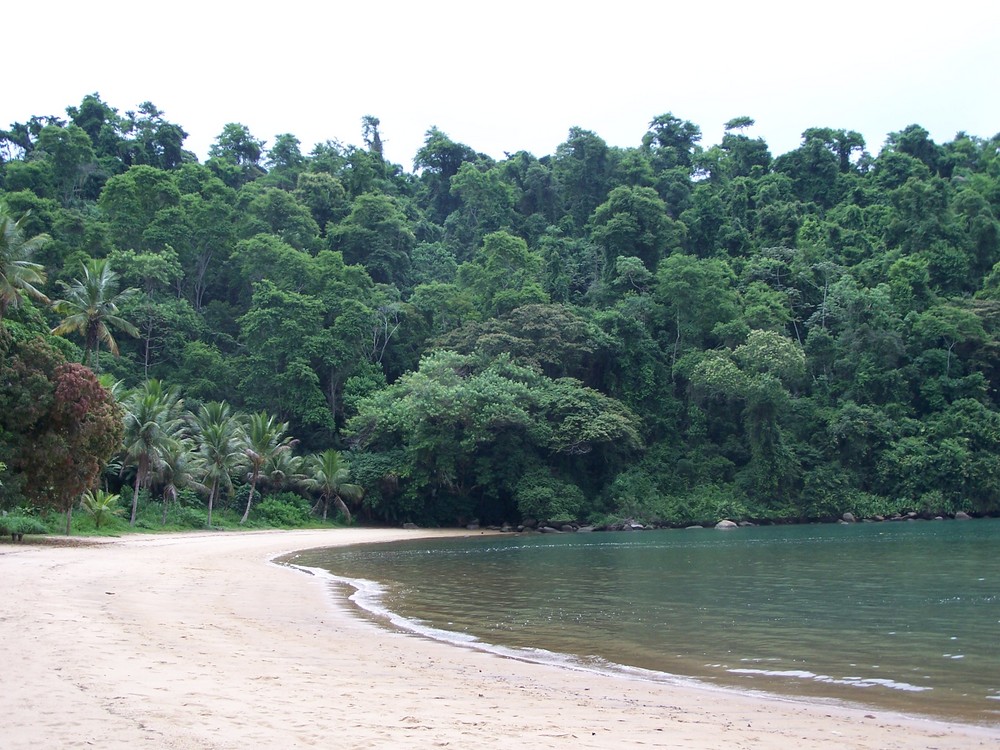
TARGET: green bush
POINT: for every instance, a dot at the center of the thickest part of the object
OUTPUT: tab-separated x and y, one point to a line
285	509
867	505
542	496
17	525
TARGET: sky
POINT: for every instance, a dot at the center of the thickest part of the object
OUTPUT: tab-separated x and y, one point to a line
511	76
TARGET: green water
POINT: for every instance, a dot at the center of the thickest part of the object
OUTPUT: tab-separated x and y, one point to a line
904	616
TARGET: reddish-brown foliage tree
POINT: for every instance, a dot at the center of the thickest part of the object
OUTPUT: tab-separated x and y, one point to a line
59	426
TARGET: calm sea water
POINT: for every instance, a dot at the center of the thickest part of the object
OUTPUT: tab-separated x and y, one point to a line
904	616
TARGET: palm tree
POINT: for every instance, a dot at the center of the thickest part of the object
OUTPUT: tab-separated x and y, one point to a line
100	505
281	470
327	473
17	272
173	472
263	438
153	423
90	308
217	433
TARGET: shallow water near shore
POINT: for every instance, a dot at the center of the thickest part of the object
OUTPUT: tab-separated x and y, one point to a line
901	616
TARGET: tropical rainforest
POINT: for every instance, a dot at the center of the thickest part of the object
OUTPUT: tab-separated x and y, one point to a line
667	332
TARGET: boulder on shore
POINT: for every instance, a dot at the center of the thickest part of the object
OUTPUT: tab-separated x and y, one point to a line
962	516
849	517
725	523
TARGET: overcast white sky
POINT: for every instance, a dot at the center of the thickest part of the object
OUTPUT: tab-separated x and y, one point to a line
513	75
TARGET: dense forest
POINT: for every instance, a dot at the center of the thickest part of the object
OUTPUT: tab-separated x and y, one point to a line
667	332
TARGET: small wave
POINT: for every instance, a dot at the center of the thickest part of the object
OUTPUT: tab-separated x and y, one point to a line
851	681
368	596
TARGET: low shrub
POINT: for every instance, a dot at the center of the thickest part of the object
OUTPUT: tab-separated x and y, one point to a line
284	509
18	525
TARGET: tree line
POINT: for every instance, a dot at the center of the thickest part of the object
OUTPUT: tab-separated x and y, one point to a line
667	332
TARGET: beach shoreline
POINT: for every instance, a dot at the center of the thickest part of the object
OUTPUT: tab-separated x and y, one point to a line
204	640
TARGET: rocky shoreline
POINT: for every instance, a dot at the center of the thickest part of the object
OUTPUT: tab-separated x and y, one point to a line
556	526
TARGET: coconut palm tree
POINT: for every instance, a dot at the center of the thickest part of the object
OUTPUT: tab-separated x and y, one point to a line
100	505
174	472
153	423
327	473
218	454
90	308
17	273
281	470
263	437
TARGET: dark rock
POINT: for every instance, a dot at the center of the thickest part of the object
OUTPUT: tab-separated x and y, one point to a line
878	518
585	529
529	523
567	527
849	517
549	530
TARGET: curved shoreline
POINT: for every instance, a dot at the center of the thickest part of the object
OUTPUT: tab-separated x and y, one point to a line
197	641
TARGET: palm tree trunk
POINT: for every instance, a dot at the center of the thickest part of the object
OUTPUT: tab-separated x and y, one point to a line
342	508
246	513
69	521
135	496
211	499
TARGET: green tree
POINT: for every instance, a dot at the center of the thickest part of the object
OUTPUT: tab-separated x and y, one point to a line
262	439
17	272
153	424
218	454
503	274
101	505
327	474
90	309
377	235
634	222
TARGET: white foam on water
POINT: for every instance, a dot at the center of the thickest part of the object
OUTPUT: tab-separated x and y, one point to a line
862	682
368	595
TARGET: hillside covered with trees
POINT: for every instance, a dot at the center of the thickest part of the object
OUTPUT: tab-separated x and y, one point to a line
666	332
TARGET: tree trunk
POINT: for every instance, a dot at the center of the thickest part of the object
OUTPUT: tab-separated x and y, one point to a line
211	499
69	521
342	508
135	496
246	513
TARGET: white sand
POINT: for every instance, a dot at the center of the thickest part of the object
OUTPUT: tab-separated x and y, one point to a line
197	641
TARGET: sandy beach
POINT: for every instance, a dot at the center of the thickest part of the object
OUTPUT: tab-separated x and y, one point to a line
199	641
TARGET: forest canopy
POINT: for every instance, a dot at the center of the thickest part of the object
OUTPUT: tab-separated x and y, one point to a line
668	331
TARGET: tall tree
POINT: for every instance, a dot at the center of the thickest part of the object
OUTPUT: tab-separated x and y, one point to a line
327	474
153	423
17	272
90	308
58	425
262	439
217	435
